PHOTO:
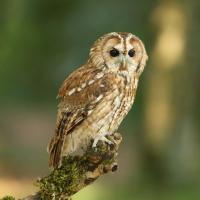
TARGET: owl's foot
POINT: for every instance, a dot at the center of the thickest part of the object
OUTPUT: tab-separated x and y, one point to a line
101	138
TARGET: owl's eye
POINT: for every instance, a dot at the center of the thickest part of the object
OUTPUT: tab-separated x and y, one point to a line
114	52
131	52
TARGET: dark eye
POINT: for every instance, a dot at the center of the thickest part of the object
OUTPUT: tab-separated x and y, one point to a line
114	52
131	52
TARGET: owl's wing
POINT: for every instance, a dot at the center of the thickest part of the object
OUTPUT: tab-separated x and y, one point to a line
66	122
80	93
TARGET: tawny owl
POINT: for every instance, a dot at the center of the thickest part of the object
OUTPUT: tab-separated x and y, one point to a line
96	97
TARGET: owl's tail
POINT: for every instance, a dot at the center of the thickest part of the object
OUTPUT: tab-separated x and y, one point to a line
55	146
54	149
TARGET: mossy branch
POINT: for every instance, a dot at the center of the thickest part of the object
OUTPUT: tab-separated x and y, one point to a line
77	172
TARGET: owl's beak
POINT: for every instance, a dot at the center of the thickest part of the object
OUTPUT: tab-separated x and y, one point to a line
123	63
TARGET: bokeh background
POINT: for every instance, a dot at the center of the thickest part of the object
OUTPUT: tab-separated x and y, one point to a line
41	42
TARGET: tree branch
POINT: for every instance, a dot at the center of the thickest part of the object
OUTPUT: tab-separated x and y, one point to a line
77	172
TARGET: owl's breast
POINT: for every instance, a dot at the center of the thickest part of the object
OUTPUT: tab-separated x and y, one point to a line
123	102
113	108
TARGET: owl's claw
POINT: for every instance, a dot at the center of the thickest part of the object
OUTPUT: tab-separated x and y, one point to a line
101	138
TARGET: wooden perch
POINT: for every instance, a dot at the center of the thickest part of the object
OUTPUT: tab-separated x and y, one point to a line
77	172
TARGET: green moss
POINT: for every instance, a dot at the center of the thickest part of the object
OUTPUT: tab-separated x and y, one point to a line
8	198
62	183
65	180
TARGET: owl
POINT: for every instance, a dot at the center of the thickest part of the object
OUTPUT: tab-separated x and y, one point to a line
95	98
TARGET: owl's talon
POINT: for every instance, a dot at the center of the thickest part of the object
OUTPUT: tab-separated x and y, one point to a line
101	138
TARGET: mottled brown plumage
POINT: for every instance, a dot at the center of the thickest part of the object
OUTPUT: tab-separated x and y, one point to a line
95	98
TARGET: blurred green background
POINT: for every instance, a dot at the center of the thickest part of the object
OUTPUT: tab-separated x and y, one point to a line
41	42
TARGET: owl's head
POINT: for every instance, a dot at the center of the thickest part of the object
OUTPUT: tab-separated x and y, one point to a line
119	52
